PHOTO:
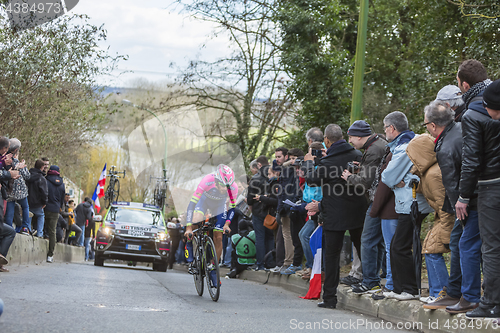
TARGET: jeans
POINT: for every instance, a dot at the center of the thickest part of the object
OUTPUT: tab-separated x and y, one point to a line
87	247
455	280
263	239
305	236
388	230
1	306
372	250
9	213
7	235
470	259
437	273
39	217
80	239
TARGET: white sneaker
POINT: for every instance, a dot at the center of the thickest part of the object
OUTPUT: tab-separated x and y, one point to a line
50	259
404	296
427	299
389	294
276	269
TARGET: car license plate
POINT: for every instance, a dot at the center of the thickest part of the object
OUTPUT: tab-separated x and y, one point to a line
133	247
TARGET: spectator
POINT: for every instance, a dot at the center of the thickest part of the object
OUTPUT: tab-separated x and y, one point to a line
397	176
89	233
37	196
17	191
46	165
298	216
83	214
65	210
480	174
270	202
311	196
55	202
263	236
420	150
253	167
7	234
314	135
72	227
383	207
343	209
439	120
243	254
289	191
372	242
293	154
452	96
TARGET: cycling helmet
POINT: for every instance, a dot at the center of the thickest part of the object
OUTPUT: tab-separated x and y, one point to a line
224	175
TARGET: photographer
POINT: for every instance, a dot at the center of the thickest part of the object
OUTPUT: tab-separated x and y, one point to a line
17	190
343	209
372	241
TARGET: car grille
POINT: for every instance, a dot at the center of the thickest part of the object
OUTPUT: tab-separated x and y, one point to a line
147	244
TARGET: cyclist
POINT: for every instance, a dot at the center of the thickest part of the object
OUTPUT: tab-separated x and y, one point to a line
211	194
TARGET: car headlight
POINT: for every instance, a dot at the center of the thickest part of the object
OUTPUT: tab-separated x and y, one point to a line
162	236
106	230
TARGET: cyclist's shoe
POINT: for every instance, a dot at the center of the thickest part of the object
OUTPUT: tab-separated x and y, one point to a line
192	268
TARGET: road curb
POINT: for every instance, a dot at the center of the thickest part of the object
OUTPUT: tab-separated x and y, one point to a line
409	315
27	250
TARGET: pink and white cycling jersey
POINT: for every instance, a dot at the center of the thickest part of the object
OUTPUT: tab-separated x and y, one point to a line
212	197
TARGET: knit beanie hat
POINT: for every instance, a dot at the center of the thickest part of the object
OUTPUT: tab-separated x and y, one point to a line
491	96
359	128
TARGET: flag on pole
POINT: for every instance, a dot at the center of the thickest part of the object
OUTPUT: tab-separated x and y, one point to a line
99	189
314	291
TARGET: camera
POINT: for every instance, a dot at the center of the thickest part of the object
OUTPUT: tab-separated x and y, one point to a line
317	152
352	168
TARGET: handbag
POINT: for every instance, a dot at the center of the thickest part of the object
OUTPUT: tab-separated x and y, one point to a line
270	222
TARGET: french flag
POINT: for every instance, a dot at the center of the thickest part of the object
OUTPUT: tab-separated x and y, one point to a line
314	291
99	189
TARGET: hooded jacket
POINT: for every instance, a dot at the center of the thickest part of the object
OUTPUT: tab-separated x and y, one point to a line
398	170
56	192
421	152
83	213
37	189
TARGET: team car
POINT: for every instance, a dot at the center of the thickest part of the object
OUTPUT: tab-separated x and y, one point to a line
133	232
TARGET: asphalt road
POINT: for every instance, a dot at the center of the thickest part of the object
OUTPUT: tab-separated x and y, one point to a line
63	297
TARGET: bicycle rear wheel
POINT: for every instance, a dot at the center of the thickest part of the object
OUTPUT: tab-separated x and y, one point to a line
212	269
198	265
116	190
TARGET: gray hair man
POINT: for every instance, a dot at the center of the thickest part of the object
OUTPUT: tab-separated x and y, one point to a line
452	96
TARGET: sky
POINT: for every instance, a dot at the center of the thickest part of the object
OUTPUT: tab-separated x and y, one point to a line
153	34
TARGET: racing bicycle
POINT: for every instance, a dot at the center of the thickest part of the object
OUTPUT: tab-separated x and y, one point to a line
160	192
113	190
205	263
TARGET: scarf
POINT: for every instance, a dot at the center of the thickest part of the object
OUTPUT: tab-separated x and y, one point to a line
474	91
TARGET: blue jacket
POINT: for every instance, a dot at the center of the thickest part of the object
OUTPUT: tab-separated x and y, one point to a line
398	170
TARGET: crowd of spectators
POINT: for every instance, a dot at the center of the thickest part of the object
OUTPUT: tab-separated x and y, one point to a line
380	188
34	202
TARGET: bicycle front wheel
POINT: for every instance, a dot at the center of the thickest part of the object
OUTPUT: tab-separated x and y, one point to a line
198	266
212	269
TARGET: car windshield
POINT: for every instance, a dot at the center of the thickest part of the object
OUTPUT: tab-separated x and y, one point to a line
135	216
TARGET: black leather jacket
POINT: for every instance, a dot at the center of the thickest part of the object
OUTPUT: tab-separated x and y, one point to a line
449	156
481	149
